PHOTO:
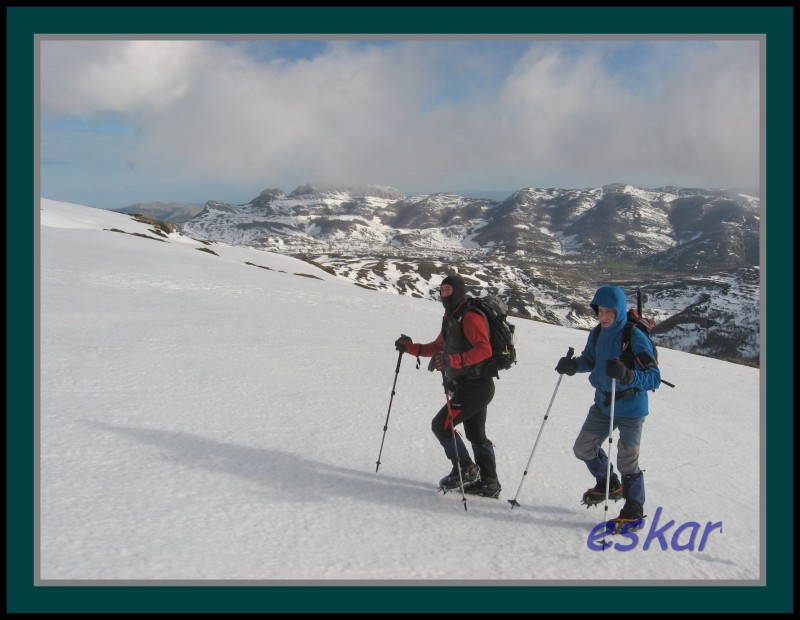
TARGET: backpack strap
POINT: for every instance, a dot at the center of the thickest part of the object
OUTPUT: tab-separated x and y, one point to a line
626	354
627	351
473	304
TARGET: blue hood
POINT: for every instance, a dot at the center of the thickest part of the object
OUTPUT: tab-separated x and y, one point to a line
611	297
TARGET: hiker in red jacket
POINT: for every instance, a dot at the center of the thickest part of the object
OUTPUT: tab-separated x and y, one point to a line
459	352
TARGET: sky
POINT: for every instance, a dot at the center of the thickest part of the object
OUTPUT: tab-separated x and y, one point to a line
129	121
210	414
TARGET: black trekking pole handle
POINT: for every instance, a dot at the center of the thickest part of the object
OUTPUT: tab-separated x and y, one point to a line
397	369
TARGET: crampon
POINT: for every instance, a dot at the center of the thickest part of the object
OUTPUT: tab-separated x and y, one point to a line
622	524
592	500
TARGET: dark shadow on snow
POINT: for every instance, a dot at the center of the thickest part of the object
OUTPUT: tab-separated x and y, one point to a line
297	479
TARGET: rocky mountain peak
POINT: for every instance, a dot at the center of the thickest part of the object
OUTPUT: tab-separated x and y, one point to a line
546	249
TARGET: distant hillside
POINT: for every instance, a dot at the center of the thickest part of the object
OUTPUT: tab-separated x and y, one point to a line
175	212
695	252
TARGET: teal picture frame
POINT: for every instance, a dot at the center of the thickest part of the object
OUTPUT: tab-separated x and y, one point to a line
25	24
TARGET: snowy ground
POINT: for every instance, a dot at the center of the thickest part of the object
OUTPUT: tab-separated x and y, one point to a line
202	419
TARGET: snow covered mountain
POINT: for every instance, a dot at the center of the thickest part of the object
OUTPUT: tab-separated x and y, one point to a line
693	252
170	211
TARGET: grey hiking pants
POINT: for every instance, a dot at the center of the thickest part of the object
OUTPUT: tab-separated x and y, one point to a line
595	431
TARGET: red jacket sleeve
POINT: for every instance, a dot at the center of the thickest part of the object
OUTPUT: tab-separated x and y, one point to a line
477	332
432	348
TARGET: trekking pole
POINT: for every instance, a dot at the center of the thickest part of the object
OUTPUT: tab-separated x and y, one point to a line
391	398
514	502
455	442
608	465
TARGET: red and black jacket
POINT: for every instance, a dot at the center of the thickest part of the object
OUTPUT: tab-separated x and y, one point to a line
464	337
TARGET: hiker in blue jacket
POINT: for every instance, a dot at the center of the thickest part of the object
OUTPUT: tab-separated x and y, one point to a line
601	359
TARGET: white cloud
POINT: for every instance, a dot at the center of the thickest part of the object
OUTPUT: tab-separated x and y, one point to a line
422	115
82	78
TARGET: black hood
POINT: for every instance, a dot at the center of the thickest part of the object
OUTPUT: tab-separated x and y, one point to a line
459	292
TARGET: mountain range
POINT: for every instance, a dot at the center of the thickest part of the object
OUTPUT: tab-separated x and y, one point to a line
693	253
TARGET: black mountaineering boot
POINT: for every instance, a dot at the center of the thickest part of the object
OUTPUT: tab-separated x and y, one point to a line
487	485
631	517
597	494
469	473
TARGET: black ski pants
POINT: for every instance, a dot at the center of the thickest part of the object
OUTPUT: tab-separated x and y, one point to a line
469	400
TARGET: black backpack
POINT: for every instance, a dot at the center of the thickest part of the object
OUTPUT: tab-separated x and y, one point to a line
635	321
501	332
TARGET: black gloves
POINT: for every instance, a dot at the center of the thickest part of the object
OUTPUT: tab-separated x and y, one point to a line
442	361
617	370
567	366
614	369
406	345
402	343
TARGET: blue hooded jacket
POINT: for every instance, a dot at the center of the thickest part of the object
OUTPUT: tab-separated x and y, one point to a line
633	403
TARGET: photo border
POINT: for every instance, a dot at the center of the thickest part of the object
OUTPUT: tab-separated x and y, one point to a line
24	24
